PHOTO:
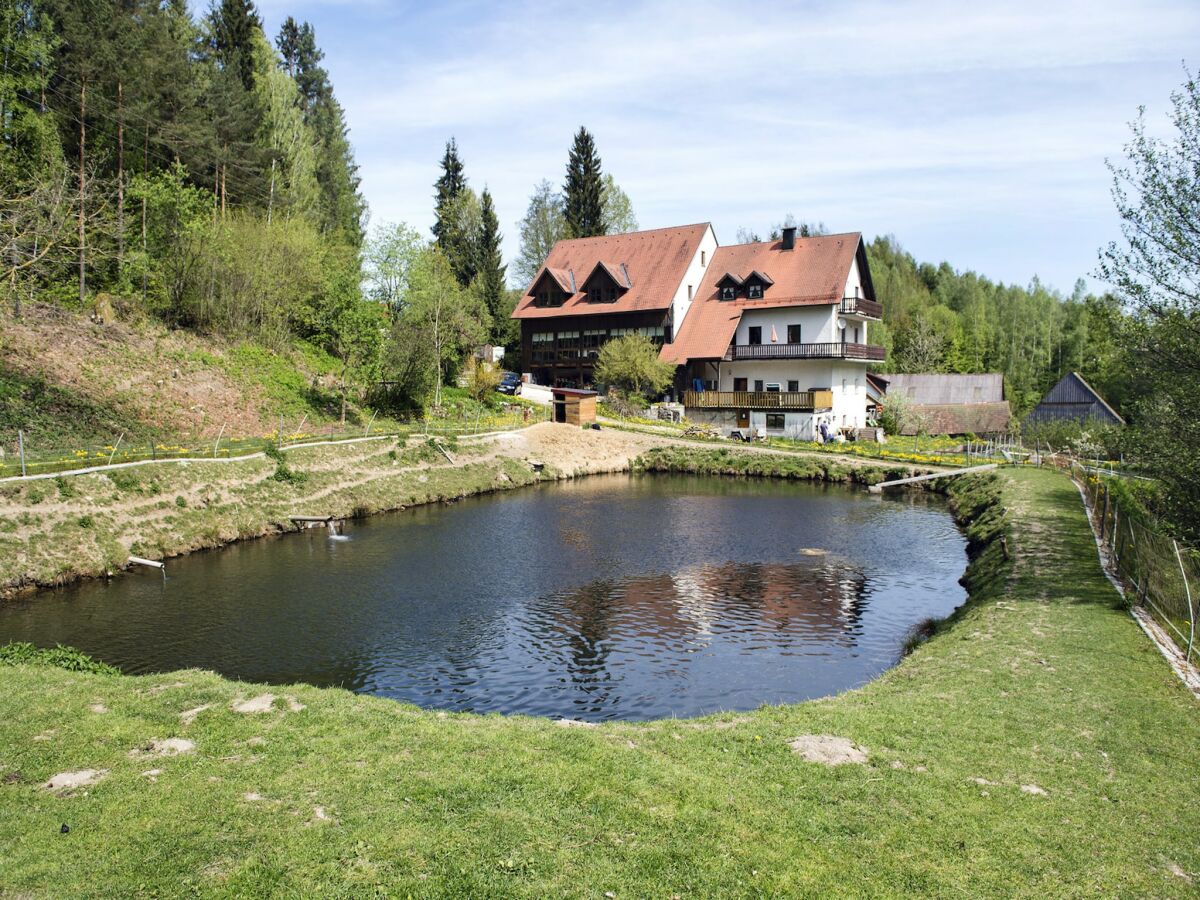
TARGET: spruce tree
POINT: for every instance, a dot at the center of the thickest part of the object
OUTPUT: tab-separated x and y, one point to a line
234	24
448	186
489	265
583	191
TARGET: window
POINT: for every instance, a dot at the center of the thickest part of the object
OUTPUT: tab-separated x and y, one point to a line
602	293
568	345
843	385
793	386
775	420
754	334
794	334
690	289
856	334
754	291
728	292
772	387
758	386
549	298
703	259
592	341
739	384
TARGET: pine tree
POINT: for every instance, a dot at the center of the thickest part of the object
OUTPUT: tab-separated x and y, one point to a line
449	185
490	264
583	190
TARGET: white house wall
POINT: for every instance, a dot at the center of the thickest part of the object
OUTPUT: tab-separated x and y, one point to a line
817	324
685	293
854	286
847	382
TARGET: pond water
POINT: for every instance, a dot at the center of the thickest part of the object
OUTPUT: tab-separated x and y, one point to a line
614	597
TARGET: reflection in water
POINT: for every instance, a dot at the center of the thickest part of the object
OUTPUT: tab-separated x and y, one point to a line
606	598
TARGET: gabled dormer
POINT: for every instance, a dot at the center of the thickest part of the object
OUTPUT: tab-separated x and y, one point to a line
756	285
607	283
729	286
552	287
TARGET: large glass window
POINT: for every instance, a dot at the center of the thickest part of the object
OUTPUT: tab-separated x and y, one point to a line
775	421
754	334
794	334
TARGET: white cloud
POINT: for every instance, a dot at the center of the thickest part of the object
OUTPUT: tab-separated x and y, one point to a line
912	118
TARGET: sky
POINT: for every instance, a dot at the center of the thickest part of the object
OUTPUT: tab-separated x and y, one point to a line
974	133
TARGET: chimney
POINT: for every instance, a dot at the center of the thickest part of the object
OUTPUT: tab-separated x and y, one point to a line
789	238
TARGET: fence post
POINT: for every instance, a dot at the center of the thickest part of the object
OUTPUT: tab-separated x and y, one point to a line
217	442
1191	609
21	445
112	455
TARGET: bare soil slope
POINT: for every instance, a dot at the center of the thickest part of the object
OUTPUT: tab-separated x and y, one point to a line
140	374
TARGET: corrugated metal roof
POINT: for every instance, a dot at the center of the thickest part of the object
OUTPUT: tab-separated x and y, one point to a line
1073	399
941	389
958	418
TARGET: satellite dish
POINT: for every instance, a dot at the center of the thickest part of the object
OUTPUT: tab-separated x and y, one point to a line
841	323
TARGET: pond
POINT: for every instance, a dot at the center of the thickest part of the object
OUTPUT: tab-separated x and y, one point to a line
612	597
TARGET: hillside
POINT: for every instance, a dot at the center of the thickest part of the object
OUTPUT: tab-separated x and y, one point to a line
69	382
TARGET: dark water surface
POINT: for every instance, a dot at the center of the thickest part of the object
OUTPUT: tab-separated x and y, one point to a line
612	597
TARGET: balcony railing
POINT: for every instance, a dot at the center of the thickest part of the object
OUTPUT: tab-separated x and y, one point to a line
797	400
833	350
857	306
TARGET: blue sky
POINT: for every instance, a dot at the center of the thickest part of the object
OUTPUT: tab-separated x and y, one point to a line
976	133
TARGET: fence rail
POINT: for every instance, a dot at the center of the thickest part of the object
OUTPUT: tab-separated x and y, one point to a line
29	460
1163	576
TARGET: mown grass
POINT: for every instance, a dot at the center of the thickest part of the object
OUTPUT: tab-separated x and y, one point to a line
1039	681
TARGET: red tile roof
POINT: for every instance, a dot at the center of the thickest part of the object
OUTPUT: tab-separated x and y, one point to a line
814	273
656	261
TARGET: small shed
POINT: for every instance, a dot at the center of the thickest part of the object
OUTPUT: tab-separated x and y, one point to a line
574	406
1073	399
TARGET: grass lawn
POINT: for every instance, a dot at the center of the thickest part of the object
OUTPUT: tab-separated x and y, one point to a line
1036	745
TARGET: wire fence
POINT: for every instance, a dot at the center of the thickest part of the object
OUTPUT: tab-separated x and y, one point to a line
22	458
1161	575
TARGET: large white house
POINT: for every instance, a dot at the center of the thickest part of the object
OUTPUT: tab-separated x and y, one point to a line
769	336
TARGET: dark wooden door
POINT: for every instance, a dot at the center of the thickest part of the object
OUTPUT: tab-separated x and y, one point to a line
743	418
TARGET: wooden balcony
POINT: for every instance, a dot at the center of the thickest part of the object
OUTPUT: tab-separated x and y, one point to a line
806	401
863	309
833	350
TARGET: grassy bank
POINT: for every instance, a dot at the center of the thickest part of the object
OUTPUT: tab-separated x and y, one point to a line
54	531
1036	745
794	467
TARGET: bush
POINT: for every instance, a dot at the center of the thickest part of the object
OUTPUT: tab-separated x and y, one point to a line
630	366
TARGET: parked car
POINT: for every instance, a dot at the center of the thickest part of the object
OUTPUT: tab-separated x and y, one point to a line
509	383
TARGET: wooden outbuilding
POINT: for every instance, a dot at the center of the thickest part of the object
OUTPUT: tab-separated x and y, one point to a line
574	406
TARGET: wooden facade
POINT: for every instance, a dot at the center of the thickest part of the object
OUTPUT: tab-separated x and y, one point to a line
561	352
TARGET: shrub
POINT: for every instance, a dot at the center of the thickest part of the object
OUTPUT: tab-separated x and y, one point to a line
26	654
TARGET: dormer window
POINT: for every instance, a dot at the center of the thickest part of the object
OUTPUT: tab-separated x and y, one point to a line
728	286
550	289
756	283
606	283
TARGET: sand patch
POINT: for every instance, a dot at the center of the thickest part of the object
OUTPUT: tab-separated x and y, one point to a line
294	705
98	708
45	735
166	747
69	781
1033	789
319	814
828	749
260	704
188	716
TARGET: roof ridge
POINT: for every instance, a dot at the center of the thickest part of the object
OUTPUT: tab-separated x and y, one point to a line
621	234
